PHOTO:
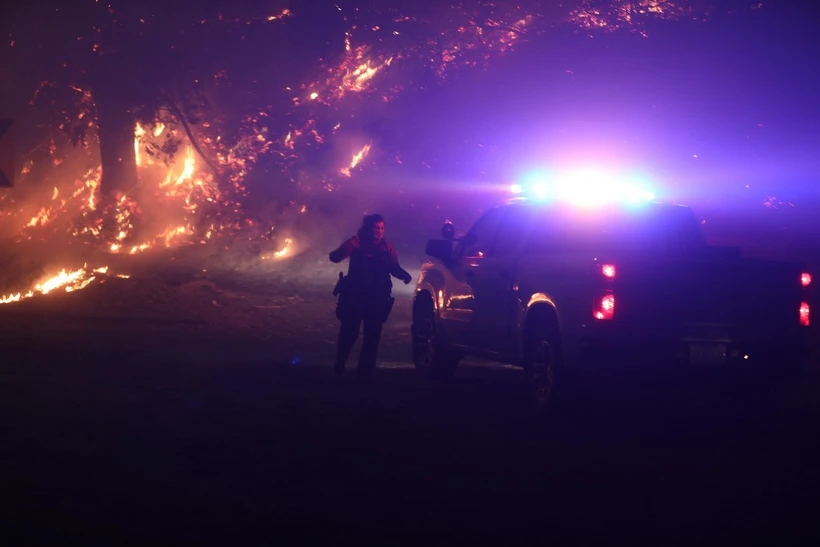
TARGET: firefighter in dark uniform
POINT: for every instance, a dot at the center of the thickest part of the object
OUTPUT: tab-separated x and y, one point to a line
364	295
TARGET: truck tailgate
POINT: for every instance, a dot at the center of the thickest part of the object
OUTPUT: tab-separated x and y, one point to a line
708	289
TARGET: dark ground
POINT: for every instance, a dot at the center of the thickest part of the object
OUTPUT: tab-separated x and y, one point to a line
210	416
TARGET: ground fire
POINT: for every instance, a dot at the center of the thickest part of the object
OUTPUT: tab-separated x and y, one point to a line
67	281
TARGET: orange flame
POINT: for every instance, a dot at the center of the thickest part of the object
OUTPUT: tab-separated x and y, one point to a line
357	158
68	280
284	250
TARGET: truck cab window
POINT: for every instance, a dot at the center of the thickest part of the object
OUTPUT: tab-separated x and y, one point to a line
513	231
479	240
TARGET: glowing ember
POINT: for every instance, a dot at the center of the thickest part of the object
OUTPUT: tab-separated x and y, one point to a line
282	15
618	13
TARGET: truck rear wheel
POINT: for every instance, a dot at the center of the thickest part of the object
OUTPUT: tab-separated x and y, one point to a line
431	356
542	360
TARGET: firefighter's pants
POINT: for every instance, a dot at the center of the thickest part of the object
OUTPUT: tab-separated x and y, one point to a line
369	312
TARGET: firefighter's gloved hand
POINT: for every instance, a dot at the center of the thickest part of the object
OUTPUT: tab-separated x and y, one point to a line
407	278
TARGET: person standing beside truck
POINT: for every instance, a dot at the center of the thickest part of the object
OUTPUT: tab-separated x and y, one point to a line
365	294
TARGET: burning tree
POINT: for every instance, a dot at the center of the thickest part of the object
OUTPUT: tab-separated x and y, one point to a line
104	68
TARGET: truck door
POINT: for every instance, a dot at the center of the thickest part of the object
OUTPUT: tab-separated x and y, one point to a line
495	284
458	306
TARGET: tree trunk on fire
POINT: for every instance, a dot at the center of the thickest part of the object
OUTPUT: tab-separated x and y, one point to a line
116	132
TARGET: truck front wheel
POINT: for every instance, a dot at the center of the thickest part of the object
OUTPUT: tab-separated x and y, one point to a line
431	356
542	356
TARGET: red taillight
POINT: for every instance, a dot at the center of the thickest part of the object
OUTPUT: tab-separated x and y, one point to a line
608	270
804	314
805	279
605	307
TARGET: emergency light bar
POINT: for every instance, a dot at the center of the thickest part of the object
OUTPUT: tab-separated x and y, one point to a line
584	187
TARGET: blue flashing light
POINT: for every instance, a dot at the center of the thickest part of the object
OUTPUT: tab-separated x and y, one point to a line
583	187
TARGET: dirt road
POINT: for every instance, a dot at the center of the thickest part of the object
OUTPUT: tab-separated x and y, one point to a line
179	428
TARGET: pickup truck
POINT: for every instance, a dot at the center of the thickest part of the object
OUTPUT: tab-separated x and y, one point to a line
549	286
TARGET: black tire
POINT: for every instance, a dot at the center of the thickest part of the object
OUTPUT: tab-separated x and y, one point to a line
431	357
542	365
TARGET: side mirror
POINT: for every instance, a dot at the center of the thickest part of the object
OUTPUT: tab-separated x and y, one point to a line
440	248
448	231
